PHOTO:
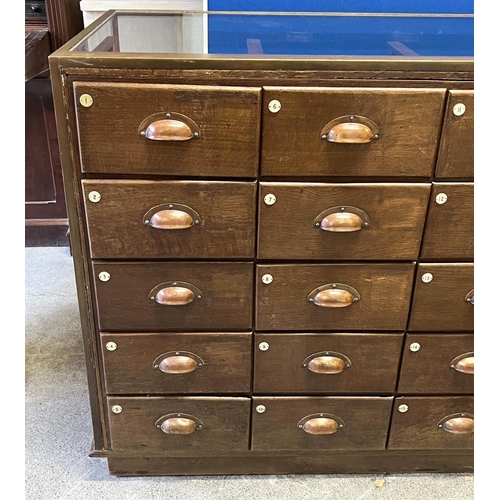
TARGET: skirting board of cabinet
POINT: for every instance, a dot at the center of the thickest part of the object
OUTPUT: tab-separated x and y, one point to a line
373	462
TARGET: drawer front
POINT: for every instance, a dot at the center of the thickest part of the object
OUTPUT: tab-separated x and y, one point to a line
326	363
127	130
449	229
35	9
177	219
441	423
326	423
313	134
456	152
177	363
182	424
439	364
333	296
342	221
174	296
446	303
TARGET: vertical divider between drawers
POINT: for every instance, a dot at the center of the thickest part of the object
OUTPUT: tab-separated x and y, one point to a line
256	247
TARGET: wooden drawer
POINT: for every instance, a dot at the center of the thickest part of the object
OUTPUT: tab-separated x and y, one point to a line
143	297
438	364
176	219
449	228
342	221
365	296
182	424
226	119
176	363
444	303
456	151
334	363
326	423
441	423
406	121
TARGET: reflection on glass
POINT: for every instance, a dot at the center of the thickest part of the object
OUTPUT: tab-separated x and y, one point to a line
320	34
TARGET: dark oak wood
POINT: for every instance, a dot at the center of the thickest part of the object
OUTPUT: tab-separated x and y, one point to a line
384	289
396	212
225	424
449	228
45	205
418	428
408	121
36	51
339	462
429	371
124	302
130	368
366	423
40	144
226	228
51	25
46	233
157	69
456	152
374	361
441	305
81	260
65	20
228	118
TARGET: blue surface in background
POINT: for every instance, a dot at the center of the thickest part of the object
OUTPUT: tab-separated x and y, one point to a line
409	6
344	35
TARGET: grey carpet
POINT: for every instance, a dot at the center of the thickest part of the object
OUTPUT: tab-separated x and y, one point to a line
58	430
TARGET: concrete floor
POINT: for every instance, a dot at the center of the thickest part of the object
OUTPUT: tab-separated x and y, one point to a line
58	430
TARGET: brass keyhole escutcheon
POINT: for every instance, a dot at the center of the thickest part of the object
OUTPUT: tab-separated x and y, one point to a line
86	100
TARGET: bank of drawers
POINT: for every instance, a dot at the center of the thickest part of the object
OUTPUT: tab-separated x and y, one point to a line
239	311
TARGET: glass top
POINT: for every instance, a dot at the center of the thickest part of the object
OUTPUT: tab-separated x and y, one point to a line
266	34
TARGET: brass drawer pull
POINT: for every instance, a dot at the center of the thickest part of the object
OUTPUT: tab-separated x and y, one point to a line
171	216
334	295
458	423
178	362
342	219
320	424
470	297
171	127
350	129
464	363
327	362
175	293
179	423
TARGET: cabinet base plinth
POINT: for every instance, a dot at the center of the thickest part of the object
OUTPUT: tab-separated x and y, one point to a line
339	463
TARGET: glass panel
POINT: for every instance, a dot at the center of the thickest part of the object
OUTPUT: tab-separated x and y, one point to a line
290	34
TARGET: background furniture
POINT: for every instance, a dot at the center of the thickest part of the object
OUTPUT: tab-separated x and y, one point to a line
48	25
274	255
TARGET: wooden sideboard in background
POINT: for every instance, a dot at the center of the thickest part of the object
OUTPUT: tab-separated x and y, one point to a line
48	25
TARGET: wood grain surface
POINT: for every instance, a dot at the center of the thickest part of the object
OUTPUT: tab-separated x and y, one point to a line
396	212
456	151
408	122
226	358
449	227
228	118
418	428
366	423
440	305
338	462
428	370
124	302
384	289
225	424
373	368
117	230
